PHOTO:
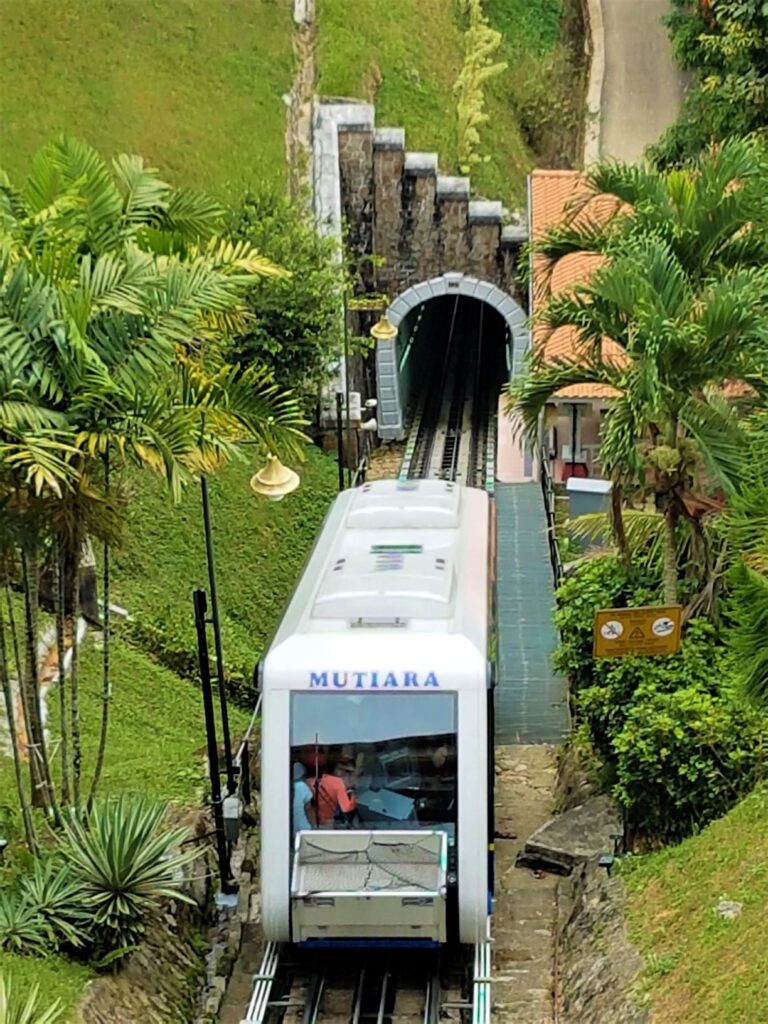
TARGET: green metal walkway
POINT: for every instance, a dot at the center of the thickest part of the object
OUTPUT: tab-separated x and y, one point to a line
531	700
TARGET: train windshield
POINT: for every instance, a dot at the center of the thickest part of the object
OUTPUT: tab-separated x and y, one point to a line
374	761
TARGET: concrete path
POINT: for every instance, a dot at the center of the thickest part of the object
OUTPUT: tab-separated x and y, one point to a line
642	87
526	909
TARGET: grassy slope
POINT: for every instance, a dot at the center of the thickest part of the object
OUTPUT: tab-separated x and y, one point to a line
260	549
703	969
157	736
195	86
408	53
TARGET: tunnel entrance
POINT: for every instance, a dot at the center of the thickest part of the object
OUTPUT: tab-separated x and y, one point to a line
453	356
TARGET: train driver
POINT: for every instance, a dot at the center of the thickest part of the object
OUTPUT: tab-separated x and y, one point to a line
303	813
334	800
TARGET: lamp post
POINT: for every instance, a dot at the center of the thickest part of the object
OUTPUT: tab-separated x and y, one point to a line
273	481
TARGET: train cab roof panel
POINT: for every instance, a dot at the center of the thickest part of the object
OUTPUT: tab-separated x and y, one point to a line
387	584
406	505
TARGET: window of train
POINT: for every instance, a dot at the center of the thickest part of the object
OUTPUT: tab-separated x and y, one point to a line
374	761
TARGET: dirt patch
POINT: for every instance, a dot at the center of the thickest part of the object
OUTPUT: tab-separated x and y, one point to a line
385	461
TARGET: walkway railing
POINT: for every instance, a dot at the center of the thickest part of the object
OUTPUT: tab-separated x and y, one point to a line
548	490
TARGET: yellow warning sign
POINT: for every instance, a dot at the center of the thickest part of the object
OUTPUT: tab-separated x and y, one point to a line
643	631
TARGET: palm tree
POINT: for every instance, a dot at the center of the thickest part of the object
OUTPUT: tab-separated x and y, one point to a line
712	216
128	287
747	530
670	344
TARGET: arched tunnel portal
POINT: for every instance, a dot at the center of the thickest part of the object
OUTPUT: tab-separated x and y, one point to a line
454	332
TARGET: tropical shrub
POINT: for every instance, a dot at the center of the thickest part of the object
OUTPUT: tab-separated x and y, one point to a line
677	743
723	44
22	927
25	1007
125	864
293	323
685	757
59	900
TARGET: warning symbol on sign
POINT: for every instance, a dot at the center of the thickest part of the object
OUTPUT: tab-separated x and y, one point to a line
637	631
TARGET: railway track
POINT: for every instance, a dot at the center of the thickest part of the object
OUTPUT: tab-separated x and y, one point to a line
452	434
384	987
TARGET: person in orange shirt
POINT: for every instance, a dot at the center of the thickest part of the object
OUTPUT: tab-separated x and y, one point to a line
334	800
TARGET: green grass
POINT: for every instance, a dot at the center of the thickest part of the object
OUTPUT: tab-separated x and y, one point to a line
405	56
701	968
195	86
56	977
260	550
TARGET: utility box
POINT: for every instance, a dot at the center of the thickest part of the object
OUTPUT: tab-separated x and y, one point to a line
369	885
589	495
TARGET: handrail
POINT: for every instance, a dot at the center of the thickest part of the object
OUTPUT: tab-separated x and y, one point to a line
548	492
242	759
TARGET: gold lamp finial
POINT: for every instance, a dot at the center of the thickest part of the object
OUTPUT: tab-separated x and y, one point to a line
383	330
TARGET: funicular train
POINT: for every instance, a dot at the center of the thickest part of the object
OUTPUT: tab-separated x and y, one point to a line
377	735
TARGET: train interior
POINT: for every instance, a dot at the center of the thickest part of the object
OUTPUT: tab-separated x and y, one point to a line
374	762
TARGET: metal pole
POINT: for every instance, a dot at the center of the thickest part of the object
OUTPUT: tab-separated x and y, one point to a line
346	387
574	429
340	438
222	852
217	635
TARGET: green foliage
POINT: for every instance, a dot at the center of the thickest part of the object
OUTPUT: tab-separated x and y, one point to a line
124	864
58	899
683	758
196	88
261	548
747	531
387	53
25	1007
700	967
677	744
294	324
723	43
22	928
595	583
480	44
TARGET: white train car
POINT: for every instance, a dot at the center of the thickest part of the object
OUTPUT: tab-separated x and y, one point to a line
377	720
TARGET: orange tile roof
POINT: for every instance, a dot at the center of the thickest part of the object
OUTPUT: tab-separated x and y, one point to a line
552	194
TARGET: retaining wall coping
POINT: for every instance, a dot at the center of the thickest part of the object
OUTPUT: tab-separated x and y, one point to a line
489	210
421	163
449	187
389	138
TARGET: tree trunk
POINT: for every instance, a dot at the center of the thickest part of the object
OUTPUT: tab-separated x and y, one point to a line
42	790
26	814
106	692
72	605
617	527
669	572
61	648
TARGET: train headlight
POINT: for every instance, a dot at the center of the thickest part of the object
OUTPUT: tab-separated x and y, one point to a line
451	878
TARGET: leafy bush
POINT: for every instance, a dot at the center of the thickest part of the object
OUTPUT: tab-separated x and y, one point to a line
723	43
678	745
125	865
684	758
59	901
22	928
25	1007
595	583
295	326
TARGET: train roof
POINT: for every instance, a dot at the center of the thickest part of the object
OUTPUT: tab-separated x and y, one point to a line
407	556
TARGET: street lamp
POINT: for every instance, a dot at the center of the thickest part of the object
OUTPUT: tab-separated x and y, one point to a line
273	481
383	330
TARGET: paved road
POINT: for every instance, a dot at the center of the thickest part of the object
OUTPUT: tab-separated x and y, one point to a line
642	87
